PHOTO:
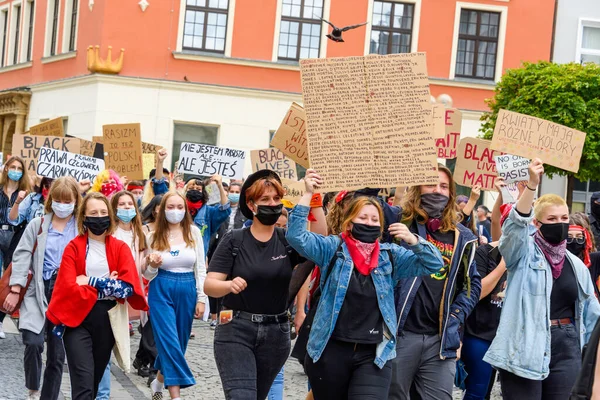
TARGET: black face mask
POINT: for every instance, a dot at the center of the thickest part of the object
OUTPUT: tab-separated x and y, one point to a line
555	233
576	248
365	233
434	204
595	209
268	215
194	196
97	225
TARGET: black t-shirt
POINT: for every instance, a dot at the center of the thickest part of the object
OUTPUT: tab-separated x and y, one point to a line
564	293
424	316
266	268
360	320
485	317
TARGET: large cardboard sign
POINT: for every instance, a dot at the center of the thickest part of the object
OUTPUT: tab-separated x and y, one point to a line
87	147
448	144
476	165
53	127
123	150
149	163
206	160
369	121
275	160
290	138
531	137
513	168
294	190
56	163
439	121
27	147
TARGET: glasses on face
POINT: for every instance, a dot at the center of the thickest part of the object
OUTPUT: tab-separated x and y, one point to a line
578	240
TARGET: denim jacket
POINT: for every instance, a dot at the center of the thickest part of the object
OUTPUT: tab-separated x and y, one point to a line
522	343
209	219
31	207
457	302
422	258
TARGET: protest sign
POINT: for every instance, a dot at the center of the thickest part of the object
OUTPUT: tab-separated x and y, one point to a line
98	139
87	147
206	160
448	144
56	163
475	164
54	127
275	160
294	190
439	121
531	137
369	121
149	163
291	135
512	168
214	194
123	150
27	147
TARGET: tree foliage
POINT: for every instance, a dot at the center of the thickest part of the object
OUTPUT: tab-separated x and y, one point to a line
567	94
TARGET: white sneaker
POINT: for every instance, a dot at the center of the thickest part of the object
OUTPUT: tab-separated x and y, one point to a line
2	334
33	396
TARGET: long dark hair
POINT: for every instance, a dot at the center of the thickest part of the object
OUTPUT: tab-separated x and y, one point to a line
148	215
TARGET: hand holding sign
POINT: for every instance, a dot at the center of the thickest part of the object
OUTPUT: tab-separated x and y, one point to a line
536	170
312	181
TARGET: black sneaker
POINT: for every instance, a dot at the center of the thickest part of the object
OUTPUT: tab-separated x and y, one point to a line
137	363
144	371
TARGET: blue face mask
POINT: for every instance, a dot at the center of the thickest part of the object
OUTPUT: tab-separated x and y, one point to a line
14	175
234	197
126	214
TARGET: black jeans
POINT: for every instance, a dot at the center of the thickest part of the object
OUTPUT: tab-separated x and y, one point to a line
147	349
565	363
88	349
346	371
249	356
55	356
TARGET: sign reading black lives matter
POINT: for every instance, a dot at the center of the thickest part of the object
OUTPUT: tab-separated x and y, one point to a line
56	163
206	160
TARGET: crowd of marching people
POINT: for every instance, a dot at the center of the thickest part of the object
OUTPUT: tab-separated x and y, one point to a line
398	298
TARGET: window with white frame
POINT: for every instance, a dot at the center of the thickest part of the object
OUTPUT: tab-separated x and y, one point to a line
589	49
70	25
300	29
391	27
477	44
4	33
16	34
29	31
205	26
52	27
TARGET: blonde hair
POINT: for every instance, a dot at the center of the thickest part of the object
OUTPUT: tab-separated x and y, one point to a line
149	191
63	189
335	216
103	177
160	239
412	209
136	222
356	206
81	214
547	200
24	183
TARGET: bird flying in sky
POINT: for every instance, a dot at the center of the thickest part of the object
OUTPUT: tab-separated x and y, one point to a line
336	33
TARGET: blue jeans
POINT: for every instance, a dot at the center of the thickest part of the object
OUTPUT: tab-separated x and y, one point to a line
479	371
172	299
276	391
104	387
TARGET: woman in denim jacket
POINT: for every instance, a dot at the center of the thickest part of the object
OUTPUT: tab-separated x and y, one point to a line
353	338
550	308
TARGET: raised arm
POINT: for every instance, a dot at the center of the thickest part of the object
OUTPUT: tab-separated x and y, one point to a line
475	194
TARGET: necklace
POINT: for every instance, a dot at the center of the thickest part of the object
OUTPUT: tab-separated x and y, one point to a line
173	237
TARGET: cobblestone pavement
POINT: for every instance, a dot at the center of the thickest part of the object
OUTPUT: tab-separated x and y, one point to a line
132	387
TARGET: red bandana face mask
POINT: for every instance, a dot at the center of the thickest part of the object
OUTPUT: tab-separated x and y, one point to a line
108	189
45	192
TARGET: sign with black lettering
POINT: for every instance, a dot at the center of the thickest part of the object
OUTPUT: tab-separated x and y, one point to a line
512	168
27	147
206	160
56	163
275	160
123	150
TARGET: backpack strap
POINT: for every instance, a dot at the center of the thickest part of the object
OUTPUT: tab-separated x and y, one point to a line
333	259
237	238
389	253
283	240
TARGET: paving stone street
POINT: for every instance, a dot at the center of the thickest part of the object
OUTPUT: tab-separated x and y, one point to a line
131	386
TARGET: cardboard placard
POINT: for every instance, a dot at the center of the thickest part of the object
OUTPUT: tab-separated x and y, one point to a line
275	160
206	160
123	150
291	135
513	168
149	148
98	139
87	147
56	163
476	165
294	190
214	194
448	144
531	137
439	121
27	147
53	127
149	163
369	121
